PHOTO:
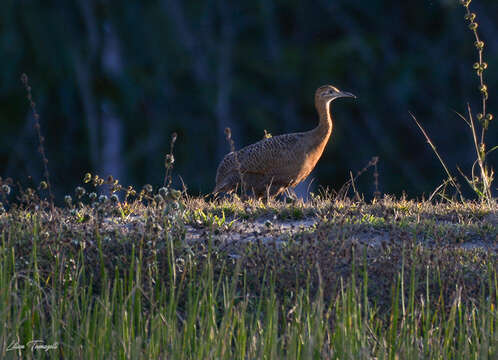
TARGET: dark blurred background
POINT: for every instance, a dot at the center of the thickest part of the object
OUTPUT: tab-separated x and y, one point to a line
113	79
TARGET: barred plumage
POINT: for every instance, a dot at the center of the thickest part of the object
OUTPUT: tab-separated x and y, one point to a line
273	164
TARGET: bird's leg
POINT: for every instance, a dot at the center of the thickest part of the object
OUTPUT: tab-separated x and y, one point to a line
290	195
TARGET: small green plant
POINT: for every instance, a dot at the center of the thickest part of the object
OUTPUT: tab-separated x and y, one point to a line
209	219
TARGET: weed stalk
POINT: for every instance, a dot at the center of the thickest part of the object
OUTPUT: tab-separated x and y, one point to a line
41	139
228	134
451	179
484	118
169	161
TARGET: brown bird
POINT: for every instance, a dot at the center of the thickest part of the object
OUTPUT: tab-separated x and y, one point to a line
274	164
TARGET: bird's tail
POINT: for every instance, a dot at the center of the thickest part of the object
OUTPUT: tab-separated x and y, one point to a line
222	187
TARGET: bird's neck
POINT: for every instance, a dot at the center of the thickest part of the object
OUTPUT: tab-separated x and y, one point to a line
324	129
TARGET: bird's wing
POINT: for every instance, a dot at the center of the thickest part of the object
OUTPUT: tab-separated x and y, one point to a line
265	160
269	155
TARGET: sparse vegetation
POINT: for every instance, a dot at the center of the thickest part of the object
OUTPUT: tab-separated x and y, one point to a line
158	277
481	180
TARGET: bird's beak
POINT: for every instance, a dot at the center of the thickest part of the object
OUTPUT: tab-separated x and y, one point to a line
346	94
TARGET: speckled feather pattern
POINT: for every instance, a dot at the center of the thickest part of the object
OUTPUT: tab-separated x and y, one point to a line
273	164
270	161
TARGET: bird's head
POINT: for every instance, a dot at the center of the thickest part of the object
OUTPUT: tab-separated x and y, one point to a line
327	93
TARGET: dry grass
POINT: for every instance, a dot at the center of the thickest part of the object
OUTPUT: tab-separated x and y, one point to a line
456	242
167	275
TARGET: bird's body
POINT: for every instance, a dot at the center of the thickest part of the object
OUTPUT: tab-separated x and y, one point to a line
274	164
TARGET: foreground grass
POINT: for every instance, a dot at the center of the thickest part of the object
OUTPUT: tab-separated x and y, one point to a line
192	279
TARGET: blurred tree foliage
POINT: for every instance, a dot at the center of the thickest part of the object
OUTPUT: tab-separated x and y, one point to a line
113	79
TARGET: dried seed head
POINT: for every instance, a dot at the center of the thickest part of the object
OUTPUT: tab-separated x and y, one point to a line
473	26
92	196
79	191
43	185
87	178
68	200
130	191
169	160
148	188
6	189
471	17
114	199
163	192
103	198
175	194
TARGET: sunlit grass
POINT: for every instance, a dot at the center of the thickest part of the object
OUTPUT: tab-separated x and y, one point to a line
148	292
